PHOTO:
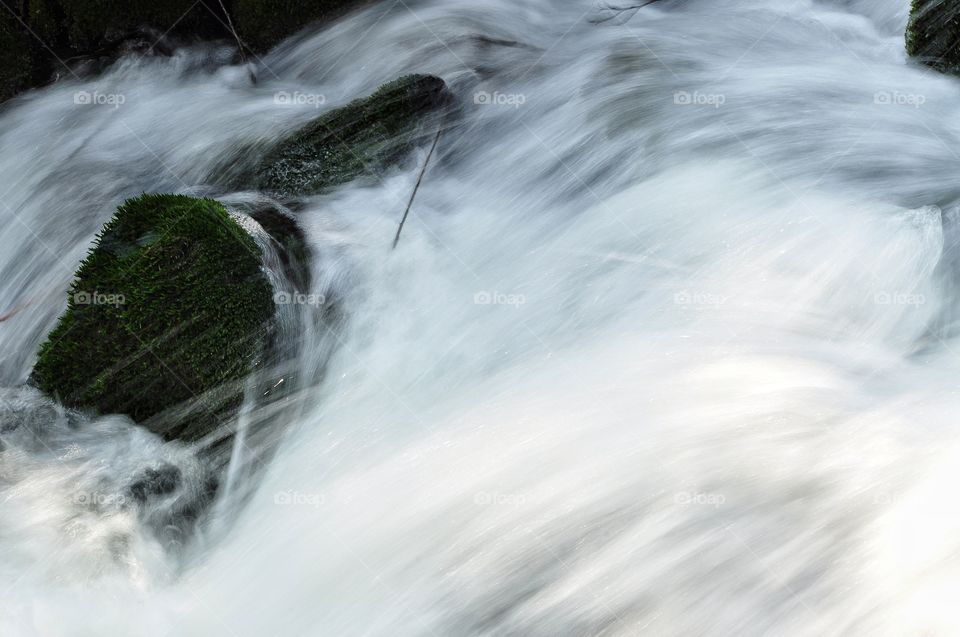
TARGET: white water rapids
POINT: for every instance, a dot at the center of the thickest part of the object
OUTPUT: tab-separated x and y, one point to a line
666	348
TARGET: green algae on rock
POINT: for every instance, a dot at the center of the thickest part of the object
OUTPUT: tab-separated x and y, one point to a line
362	138
170	308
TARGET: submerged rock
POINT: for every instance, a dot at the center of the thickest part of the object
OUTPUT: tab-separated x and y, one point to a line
364	137
933	34
290	243
158	482
167	315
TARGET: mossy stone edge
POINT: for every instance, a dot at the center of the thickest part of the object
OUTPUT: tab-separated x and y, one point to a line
364	137
170	308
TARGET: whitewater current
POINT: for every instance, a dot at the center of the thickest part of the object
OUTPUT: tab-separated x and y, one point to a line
668	345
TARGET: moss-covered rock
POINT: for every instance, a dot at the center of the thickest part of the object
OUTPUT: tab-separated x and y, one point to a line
170	308
363	138
933	33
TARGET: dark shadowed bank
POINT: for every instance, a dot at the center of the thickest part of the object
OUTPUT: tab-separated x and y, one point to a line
41	40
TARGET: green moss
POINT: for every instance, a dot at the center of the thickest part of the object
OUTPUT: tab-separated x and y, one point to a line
364	137
933	33
262	24
169	306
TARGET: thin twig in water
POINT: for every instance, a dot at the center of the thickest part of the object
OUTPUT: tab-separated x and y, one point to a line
13	312
417	187
233	30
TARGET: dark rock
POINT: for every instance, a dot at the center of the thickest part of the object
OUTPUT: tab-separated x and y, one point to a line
290	242
363	138
170	501
155	482
933	34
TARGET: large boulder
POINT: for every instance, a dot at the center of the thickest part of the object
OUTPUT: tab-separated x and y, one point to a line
933	34
364	137
168	314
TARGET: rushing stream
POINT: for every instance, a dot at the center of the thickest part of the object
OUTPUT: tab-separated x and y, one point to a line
667	347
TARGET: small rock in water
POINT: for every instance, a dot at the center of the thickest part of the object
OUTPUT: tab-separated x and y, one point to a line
155	482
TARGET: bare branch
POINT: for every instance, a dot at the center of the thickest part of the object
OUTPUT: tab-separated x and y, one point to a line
417	187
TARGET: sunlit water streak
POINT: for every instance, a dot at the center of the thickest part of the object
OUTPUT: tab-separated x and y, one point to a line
665	349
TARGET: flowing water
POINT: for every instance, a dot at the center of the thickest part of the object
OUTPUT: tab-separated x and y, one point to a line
668	345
